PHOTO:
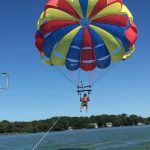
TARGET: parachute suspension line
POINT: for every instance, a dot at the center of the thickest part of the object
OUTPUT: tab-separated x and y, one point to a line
45	135
73	78
92	77
61	72
100	76
78	71
81	88
89	77
70	80
78	79
104	73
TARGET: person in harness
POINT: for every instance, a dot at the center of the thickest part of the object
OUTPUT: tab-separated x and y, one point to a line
84	102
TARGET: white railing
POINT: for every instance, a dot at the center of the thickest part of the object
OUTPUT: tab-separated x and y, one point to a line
6	76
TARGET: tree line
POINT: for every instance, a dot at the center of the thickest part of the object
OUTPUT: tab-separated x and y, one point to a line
71	122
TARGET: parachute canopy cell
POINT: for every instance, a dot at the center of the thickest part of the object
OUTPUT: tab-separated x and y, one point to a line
85	34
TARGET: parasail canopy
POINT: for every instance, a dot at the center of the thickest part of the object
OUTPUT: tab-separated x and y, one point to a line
85	34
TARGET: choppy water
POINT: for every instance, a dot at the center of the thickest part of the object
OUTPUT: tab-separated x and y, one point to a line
121	138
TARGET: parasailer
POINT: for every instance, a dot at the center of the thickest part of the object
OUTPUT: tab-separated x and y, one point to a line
85	91
85	34
84	102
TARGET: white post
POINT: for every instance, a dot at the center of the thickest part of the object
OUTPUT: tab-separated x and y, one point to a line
7	81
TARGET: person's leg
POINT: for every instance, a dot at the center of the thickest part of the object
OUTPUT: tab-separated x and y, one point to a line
86	108
81	108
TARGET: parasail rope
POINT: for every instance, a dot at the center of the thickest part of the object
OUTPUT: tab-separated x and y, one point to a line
78	79
73	78
71	81
59	70
90	78
103	74
99	77
39	142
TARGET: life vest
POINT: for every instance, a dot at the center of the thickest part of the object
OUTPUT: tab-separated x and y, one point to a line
84	99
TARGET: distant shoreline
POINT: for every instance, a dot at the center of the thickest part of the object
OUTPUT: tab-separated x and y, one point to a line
21	133
34	126
72	123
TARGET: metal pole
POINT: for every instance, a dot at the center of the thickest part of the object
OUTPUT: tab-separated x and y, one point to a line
7	81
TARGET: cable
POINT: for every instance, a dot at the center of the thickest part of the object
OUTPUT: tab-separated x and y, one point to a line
59	70
71	81
73	78
102	75
39	142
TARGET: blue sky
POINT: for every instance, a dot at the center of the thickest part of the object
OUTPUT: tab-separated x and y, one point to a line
38	91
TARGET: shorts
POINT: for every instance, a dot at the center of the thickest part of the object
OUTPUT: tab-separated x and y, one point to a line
84	104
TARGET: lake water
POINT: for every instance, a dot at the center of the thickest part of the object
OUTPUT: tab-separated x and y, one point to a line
121	138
